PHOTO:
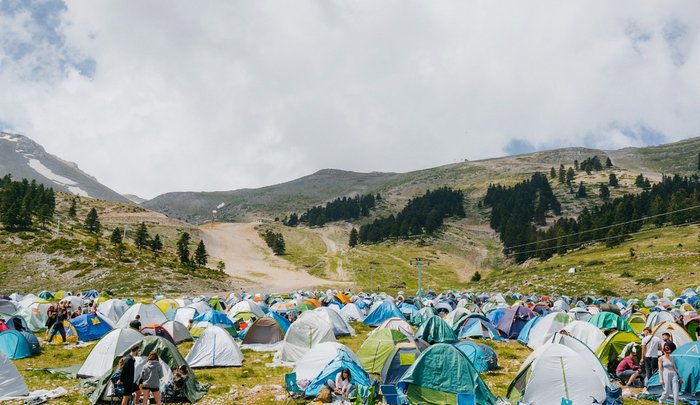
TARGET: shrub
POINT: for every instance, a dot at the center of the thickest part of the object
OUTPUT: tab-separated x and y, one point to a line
476	277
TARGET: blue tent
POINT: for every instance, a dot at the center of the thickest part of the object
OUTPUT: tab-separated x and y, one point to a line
496	315
513	320
687	358
386	310
282	321
214	317
476	326
90	327
524	335
408	309
14	345
91	295
482	356
403	356
358	376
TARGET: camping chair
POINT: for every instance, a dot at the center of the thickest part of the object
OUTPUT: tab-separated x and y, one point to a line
364	395
466	398
392	396
294	393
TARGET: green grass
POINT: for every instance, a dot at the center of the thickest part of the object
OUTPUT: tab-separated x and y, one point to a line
663	258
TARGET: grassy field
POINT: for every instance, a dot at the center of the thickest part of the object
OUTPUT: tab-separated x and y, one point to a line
650	261
254	383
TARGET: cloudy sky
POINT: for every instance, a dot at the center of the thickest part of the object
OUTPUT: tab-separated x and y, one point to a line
154	96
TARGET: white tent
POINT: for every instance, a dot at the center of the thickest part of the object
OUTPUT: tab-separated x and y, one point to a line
112	309
396	324
304	334
340	327
11	382
351	312
245	308
587	333
656	317
215	348
178	331
150	314
185	315
456	314
679	336
543	330
313	362
200	306
113	344
555	371
580	314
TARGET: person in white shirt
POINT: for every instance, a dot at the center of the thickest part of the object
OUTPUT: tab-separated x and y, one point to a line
342	386
651	345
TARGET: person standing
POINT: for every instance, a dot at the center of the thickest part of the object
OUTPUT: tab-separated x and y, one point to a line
127	376
651	345
669	377
668	340
151	375
57	327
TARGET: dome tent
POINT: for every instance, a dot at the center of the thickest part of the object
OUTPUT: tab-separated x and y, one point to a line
387	309
309	366
178	331
609	320
90	327
107	349
212	318
482	356
340	327
329	372
168	354
476	326
687	359
265	332
377	347
513	320
546	328
435	330
439	374
149	313
586	333
215	348
11	382
303	334
18	345
555	372
398	361
351	312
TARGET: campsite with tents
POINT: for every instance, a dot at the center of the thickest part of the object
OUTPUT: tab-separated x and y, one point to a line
435	348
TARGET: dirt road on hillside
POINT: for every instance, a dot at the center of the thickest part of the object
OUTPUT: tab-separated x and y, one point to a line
247	258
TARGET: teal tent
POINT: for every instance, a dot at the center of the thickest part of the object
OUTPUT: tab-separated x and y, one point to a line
439	374
435	330
608	320
687	359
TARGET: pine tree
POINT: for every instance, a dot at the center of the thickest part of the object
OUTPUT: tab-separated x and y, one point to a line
612	181
183	248
639	181
353	238
141	237
552	172
44	214
92	222
581	193
562	174
576	166
608	162
604	192
117	236
570	175
72	212
699	162
156	244
200	254
279	246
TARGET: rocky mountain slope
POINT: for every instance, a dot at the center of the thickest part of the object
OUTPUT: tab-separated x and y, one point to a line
472	177
23	158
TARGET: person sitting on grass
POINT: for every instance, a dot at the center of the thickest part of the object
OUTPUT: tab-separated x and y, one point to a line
342	386
628	371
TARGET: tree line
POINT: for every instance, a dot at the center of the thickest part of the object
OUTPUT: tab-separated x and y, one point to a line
23	201
513	216
421	215
340	209
275	241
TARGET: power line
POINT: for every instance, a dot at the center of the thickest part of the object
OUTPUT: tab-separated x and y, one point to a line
605	227
604	238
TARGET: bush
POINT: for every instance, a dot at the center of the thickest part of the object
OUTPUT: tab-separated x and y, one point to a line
626	274
476	277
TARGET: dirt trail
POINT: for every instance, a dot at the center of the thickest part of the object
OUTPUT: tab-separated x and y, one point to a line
333	250
247	257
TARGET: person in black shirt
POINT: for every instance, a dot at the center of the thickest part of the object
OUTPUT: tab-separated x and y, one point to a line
127	377
57	327
136	323
668	340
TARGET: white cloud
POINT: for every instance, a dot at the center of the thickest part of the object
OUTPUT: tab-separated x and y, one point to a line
242	94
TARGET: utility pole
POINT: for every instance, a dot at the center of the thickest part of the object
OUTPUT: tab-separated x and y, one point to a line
419	263
371	275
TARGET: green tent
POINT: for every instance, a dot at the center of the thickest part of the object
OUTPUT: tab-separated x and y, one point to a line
439	374
168	353
435	330
612	346
377	348
608	320
637	321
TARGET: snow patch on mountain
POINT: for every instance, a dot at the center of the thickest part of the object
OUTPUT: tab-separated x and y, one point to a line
8	137
58	179
220	206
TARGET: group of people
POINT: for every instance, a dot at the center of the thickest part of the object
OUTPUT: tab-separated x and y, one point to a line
63	312
148	383
656	355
